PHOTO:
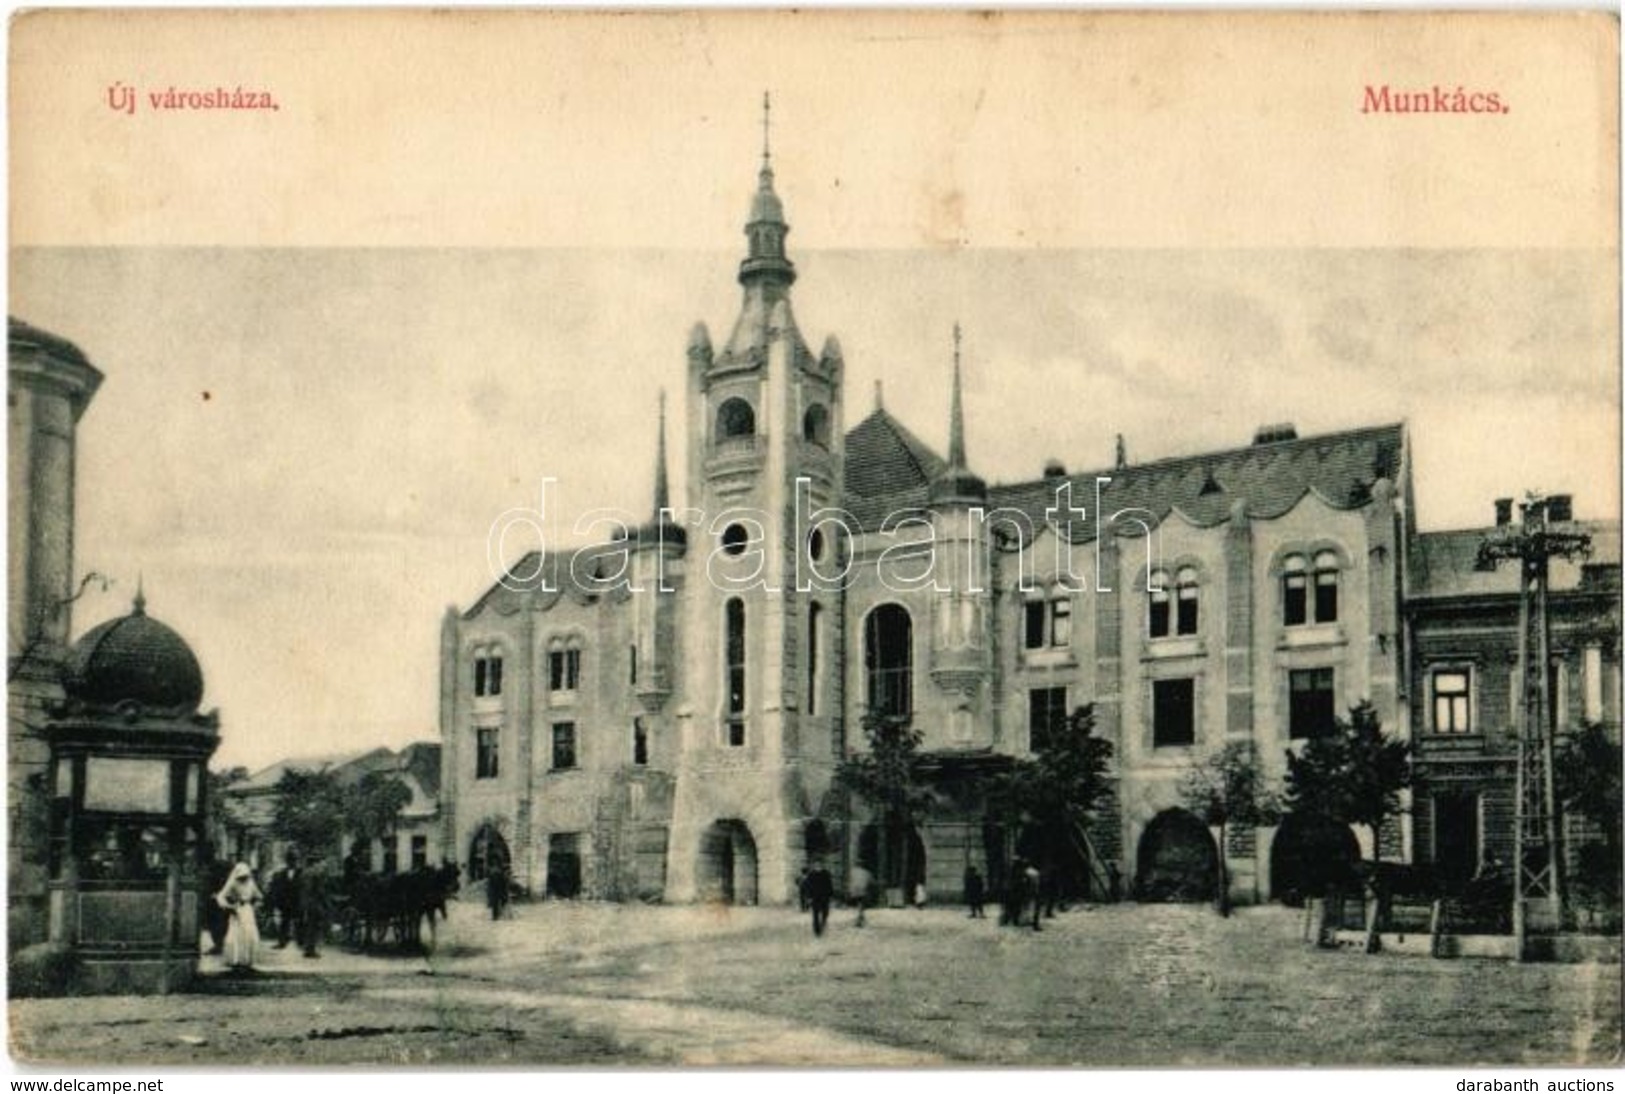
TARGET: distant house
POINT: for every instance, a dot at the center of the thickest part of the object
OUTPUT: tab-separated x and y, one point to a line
248	806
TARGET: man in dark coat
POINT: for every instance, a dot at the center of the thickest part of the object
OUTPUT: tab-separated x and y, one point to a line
496	890
820	889
975	892
310	908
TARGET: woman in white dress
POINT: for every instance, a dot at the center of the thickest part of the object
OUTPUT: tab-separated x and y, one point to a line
238	897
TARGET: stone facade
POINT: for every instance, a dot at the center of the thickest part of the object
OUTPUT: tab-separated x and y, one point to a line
50	385
1246	595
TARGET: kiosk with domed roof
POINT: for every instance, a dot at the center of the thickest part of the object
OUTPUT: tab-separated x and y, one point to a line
128	777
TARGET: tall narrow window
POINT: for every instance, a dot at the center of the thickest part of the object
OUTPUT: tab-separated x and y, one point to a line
420	852
1326	587
735	613
1159	618
1186	601
888	656
564	670
815	615
1295	591
640	742
1046	715
479	675
1313	707
1034	624
1451	712
1173	713
564	745
485	752
1060	622
632	664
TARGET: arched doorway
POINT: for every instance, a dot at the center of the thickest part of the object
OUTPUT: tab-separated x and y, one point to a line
727	867
488	849
900	864
1310	855
1177	859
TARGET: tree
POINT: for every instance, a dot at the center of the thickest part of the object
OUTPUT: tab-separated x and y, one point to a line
1229	788
1586	771
889	779
310	812
1353	775
373	806
1057	790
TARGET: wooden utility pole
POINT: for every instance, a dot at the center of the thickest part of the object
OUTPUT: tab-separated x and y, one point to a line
1544	532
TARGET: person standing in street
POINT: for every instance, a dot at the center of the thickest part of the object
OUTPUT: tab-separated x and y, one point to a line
819	888
859	892
975	892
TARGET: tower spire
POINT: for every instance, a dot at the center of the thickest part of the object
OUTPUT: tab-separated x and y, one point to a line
662	493
767	120
957	484
956	415
139	604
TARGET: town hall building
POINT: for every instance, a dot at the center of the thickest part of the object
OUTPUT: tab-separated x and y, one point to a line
661	716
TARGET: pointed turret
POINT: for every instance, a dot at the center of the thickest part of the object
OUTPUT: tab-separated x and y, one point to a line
660	527
957	483
765	263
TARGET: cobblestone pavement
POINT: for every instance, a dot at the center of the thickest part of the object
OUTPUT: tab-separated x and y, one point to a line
570	984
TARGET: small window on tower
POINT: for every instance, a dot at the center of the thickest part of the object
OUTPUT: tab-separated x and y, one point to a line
735	419
815	426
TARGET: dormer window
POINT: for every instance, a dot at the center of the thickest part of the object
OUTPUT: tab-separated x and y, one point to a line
735	419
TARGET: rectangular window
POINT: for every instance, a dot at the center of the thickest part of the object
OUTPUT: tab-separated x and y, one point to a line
564	745
391	856
1187	609
1035	624
1159	614
485	752
1295	599
1326	596
1313	706
1060	622
640	742
564	670
1046	715
1173	713
420	852
632	664
479	676
1451	711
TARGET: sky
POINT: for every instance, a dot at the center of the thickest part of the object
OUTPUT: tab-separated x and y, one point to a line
465	253
301	452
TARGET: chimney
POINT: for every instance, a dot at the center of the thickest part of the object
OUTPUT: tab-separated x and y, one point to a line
1054	469
1560	508
1503	512
1275	433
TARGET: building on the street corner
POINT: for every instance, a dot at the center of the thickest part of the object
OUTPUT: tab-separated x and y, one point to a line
1466	680
248	807
675	735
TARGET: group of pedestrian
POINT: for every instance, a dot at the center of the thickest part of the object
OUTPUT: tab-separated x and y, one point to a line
1024	895
295	898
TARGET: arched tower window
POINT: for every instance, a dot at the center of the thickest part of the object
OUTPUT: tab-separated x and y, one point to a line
815	425
735	683
889	658
735	419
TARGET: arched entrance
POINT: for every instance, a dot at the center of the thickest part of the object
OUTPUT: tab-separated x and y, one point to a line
1177	859
727	867
900	864
488	849
1309	856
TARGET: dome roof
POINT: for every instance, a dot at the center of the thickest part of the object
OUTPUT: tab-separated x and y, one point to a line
134	659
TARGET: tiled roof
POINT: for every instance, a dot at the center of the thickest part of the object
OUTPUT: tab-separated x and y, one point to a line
884	471
1445	564
552	570
887	468
267	778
